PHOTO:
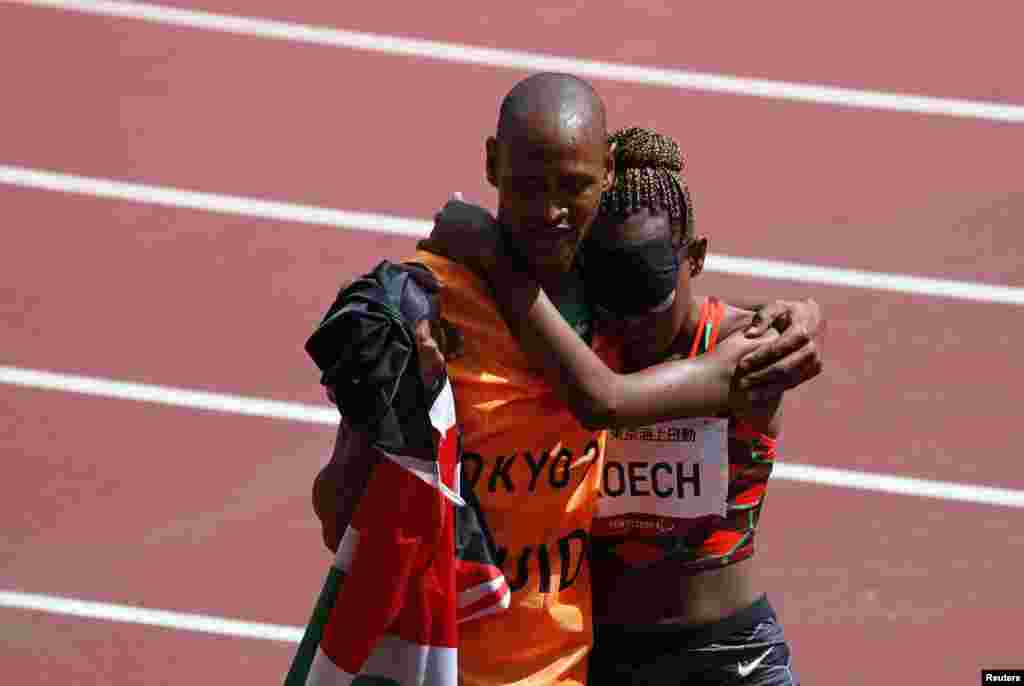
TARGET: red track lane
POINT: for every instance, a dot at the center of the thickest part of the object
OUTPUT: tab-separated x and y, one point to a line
917	47
179	525
173	297
877	589
46	649
882	191
228	304
182	510
126	502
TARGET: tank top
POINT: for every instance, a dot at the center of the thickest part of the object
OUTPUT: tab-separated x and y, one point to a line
689	490
534	470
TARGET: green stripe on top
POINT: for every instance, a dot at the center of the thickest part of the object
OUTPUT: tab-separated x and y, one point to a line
706	343
303	660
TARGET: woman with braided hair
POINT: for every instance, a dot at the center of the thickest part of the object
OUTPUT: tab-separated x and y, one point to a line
673	536
650	170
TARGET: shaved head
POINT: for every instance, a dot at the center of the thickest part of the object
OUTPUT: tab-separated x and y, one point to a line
552	103
550	161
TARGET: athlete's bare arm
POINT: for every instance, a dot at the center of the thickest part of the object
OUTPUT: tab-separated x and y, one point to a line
468	235
596	395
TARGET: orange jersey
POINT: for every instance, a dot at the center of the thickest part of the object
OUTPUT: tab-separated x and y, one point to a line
535	471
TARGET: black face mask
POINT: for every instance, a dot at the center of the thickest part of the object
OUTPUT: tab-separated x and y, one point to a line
630	279
365	348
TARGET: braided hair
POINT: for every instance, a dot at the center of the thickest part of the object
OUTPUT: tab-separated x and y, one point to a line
649	173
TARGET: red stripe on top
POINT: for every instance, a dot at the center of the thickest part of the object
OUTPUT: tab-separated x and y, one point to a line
472	574
492	601
712	312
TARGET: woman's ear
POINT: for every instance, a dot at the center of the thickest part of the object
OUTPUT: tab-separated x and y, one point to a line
695	254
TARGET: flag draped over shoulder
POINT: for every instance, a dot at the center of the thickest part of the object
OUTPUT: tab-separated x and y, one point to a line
366	351
416	558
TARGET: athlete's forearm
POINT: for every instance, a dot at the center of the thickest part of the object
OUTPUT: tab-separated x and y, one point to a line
695	387
570	367
598	396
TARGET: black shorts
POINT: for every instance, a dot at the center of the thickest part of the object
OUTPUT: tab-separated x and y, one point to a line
745	649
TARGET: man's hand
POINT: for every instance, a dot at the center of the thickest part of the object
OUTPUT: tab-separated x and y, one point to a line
342	481
791	359
466	234
325	505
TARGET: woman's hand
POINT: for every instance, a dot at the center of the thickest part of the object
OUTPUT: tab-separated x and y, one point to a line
466	234
749	402
793	357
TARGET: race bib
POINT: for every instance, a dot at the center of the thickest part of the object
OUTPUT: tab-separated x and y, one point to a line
658	479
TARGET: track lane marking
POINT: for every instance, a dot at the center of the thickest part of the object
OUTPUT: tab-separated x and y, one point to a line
130	614
530	61
325	415
111	189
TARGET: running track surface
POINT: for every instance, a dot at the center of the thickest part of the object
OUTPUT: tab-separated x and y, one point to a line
178	509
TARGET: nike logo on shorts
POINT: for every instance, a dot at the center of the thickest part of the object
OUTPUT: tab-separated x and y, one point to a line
746	669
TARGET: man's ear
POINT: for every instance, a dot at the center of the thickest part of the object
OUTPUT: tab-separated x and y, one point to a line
454	343
609	168
492	161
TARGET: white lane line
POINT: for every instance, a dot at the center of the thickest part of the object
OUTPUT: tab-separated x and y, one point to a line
167	395
184	621
898	485
512	59
258	407
40	179
856	278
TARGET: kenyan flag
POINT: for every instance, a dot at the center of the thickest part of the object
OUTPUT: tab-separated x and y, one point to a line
401	581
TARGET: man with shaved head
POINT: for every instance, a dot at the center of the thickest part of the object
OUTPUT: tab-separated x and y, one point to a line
550	162
531	427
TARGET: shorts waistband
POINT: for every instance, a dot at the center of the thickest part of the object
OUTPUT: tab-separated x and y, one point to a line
688	636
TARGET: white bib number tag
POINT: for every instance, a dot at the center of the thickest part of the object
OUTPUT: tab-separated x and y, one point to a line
657	477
